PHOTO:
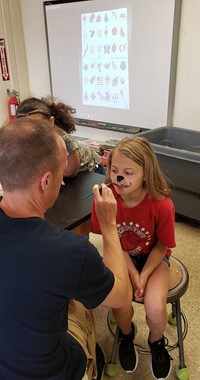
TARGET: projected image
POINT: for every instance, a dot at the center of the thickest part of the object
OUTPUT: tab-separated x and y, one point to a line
105	70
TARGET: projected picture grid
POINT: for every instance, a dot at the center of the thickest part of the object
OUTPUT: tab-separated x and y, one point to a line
105	70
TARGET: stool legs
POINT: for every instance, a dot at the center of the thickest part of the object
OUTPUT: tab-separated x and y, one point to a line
182	372
115	346
180	334
111	368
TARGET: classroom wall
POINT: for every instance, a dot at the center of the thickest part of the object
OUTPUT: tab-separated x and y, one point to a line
12	33
36	49
187	99
186	110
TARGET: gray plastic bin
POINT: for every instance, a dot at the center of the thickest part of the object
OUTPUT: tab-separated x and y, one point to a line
178	152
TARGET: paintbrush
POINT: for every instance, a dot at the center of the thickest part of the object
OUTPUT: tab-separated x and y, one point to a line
90	194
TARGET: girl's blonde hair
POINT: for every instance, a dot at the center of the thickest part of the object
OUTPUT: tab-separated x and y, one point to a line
139	150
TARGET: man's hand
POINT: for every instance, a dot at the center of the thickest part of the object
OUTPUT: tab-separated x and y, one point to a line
105	205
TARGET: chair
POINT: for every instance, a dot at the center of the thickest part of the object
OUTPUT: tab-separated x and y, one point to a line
179	279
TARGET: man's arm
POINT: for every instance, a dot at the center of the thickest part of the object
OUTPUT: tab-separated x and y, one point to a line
113	256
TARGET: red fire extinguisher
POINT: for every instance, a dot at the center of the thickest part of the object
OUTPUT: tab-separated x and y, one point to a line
13	104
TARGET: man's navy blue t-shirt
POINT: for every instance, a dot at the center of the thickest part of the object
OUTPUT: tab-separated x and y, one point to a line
41	268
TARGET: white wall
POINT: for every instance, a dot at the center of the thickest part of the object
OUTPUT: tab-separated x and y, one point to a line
11	31
36	49
187	109
187	99
7	83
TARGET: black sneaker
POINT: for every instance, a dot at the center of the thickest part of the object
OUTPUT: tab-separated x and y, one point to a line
100	358
161	361
128	355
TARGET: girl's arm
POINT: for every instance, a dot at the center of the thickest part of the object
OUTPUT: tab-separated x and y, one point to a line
155	257
72	166
73	162
131	267
135	278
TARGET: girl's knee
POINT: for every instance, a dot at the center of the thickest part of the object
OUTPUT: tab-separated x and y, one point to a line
155	311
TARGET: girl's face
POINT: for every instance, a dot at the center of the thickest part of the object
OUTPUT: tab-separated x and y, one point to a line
126	175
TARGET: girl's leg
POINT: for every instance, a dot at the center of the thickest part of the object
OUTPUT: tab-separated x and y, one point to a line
156	317
155	301
128	355
123	317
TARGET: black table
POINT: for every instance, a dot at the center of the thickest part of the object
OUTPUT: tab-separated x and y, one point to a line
72	209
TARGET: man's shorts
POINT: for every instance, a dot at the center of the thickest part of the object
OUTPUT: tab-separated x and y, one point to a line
81	327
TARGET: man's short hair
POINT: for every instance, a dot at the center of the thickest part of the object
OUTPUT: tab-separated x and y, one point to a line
28	149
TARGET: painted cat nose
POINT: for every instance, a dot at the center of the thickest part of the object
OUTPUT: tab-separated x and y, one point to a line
120	178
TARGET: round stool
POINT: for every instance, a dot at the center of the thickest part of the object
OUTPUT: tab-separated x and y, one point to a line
178	284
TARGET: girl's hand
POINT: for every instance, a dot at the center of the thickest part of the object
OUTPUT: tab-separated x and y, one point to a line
139	295
138	290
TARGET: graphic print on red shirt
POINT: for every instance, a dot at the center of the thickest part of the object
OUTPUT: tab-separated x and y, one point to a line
134	239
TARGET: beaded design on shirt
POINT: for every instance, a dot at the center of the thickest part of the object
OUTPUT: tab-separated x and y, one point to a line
133	237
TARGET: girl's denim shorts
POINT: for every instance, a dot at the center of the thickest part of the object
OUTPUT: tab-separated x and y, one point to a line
141	259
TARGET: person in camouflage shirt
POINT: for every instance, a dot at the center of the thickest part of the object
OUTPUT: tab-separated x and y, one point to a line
80	157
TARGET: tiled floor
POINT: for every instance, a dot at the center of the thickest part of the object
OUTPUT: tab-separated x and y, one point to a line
188	251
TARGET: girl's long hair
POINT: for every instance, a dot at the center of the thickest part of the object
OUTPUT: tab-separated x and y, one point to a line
139	150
